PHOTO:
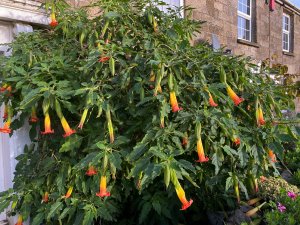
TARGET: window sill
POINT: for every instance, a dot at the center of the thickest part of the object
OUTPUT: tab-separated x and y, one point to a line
288	53
249	43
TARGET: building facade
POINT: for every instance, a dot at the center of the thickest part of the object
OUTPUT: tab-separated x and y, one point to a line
252	28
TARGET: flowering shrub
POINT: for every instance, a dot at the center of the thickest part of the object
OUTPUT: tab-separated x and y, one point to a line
130	122
286	211
271	188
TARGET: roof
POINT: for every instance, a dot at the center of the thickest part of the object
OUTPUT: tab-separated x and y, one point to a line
291	5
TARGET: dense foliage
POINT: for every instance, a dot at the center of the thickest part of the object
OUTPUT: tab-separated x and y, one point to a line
156	116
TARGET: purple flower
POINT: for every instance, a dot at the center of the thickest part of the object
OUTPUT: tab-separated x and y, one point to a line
281	207
292	195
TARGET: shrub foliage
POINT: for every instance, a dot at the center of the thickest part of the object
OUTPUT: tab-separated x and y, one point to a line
123	98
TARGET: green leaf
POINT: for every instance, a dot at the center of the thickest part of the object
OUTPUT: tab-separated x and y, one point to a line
112	15
157	206
64	213
137	151
229	183
79	217
88	217
72	143
55	208
38	219
217	160
115	159
145	212
229	151
92	158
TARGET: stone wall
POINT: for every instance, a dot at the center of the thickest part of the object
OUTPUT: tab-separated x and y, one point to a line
221	19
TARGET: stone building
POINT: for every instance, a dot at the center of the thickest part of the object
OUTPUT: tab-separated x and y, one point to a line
251	28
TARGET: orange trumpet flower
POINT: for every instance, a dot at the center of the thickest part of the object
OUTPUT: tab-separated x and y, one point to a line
211	101
104	59
173	102
6	128
53	22
47	124
181	195
69	192
66	127
200	152
272	156
20	220
45	197
33	117
91	171
260	117
83	118
237	141
185	141
5	87
236	99
103	192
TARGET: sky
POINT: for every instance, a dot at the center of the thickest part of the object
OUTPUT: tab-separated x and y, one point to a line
295	2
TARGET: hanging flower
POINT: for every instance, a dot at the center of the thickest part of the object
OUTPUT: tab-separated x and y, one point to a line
185	141
6	126
292	195
5	87
5	111
260	117
33	117
162	121
53	22
236	99
20	220
181	195
200	152
66	127
110	125
173	102
83	118
211	101
104	59
91	171
256	184
47	124
152	79
272	156
45	197
237	141
103	192
69	192
281	207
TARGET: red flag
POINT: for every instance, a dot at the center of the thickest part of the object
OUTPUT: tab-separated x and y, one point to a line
272	5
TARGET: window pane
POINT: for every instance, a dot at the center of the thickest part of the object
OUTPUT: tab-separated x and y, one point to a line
286	23
244	6
243	28
285	41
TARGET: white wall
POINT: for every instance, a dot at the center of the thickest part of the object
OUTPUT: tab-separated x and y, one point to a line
11	147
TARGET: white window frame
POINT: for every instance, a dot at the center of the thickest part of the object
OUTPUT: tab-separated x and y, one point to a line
288	32
247	17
